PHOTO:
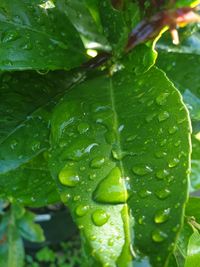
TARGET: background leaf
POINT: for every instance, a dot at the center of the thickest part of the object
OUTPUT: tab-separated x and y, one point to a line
33	37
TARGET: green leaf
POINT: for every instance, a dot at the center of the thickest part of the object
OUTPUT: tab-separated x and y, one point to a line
30	230
84	15
192	208
120	149
33	37
11	249
24	134
193	253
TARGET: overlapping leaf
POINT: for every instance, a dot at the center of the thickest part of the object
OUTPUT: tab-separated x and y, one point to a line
120	153
33	37
26	103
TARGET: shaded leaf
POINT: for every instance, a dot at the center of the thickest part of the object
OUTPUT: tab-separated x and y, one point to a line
26	103
193	252
36	38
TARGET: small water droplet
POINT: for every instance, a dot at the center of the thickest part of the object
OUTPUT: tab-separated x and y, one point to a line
111	189
83	127
158	236
110	242
173	129
141	170
141	219
163	193
97	162
161	174
131	138
162	216
81	210
160	154
145	193
68	177
173	163
164	115
161	99
100	217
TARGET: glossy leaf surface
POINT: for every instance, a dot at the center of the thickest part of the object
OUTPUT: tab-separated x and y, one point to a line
120	149
33	37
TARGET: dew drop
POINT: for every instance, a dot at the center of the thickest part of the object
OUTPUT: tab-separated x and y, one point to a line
162	216
111	189
164	115
131	138
161	99
173	163
173	129
81	210
160	154
163	193
100	217
68	177
145	193
83	127
158	236
161	174
141	170
141	220
97	162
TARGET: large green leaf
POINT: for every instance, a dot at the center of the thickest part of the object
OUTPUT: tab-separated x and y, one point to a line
25	110
33	37
120	154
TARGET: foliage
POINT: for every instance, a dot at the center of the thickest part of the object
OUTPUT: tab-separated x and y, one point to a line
109	136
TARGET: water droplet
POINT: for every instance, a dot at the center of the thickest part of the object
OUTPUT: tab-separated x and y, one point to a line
9	36
141	170
150	117
13	144
158	236
83	127
173	129
164	115
92	176
100	217
145	193
141	219
110	242
112	189
163	193
161	174
131	138
160	154
162	216
68	177
161	99
177	143
97	162
82	168
35	145
81	210
173	163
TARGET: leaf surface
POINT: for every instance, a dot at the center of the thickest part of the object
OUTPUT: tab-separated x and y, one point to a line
33	37
120	149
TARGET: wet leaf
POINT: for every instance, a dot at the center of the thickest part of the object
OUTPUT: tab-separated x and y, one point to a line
35	37
119	154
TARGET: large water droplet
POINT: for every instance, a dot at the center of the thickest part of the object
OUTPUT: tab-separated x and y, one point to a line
112	189
162	216
100	217
68	177
97	162
158	236
161	174
164	115
81	210
141	170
